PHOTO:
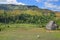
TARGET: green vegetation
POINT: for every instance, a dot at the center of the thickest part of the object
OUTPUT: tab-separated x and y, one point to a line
27	26
23	22
26	18
30	34
24	14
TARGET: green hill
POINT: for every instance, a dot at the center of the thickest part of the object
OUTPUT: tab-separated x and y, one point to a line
30	9
10	13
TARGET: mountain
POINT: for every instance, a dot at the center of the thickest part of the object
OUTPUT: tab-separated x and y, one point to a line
12	7
18	9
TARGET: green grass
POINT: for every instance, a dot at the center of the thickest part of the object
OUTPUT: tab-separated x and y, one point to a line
26	26
58	22
31	34
20	33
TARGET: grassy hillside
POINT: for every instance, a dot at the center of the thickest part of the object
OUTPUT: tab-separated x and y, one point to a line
10	13
11	9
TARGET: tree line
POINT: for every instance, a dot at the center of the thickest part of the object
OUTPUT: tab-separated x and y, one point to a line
26	18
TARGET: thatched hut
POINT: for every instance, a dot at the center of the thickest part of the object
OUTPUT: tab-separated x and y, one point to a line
51	25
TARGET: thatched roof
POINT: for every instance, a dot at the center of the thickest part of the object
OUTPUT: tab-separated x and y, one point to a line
51	25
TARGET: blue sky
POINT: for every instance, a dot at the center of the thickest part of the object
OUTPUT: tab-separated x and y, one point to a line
32	2
45	4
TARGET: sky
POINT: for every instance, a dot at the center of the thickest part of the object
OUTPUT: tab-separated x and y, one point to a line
44	4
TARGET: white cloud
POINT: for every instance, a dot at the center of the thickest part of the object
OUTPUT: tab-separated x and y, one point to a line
52	0
52	6
38	0
2	0
11	2
47	0
49	5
